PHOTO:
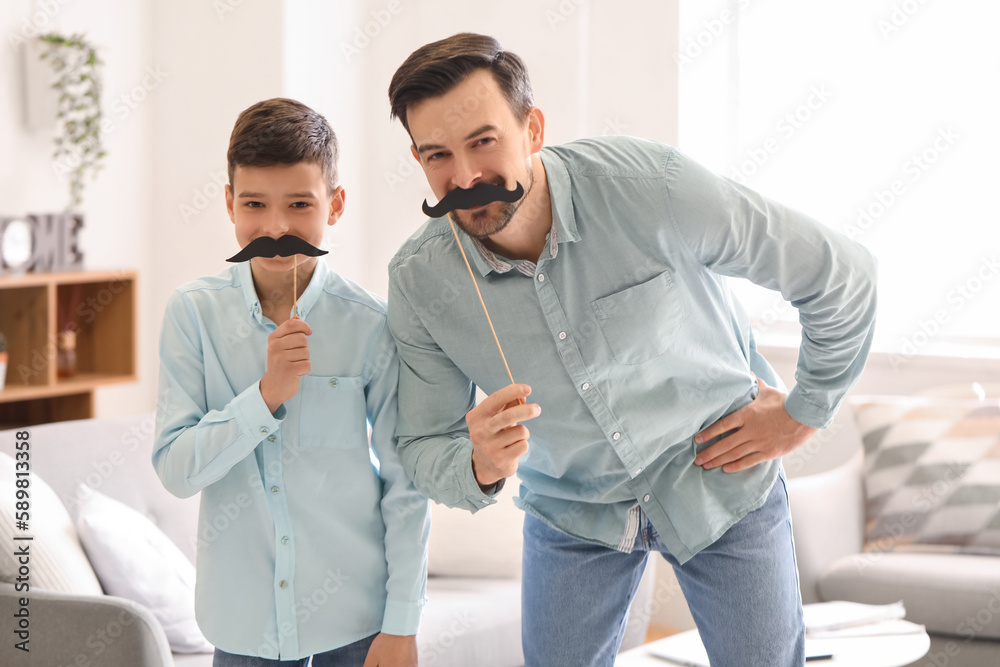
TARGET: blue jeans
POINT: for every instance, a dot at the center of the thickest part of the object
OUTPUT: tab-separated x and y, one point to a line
743	592
352	655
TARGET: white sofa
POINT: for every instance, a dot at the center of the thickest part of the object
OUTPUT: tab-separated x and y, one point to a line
468	620
942	591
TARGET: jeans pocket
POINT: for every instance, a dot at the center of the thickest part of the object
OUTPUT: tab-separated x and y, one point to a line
640	322
332	412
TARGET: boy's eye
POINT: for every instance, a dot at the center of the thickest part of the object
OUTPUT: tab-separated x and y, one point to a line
300	204
253	204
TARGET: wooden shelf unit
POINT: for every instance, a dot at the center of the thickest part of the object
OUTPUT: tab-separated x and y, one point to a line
104	321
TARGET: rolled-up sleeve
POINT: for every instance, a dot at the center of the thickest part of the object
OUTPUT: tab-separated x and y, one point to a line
827	277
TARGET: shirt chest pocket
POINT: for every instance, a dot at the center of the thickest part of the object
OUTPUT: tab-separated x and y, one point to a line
640	322
332	412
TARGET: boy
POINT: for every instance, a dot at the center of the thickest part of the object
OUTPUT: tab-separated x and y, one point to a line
307	545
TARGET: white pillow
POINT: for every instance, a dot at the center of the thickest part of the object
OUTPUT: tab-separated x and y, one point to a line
135	560
484	544
57	559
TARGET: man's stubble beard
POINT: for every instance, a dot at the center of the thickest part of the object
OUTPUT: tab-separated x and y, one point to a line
483	224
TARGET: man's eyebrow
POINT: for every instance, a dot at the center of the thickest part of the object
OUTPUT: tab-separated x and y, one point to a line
489	127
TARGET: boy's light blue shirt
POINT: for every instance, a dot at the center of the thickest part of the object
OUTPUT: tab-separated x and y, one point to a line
306	541
630	338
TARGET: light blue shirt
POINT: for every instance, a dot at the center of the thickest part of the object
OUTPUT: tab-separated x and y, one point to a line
307	539
630	338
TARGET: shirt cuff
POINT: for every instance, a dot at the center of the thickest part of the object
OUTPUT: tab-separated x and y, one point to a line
253	413
804	412
401	618
469	485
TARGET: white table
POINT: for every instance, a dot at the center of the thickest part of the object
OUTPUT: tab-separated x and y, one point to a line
875	651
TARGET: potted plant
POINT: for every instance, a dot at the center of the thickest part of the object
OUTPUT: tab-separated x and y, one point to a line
3	360
77	81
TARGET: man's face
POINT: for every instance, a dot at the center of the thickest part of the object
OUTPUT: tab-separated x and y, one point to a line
467	136
278	200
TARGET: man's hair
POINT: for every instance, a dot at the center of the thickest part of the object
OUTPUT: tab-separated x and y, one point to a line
436	68
283	131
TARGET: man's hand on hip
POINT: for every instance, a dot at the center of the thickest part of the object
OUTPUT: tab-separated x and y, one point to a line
498	437
762	431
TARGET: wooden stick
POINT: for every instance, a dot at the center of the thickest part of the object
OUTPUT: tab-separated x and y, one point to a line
480	295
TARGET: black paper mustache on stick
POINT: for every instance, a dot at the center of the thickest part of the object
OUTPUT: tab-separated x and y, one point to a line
480	194
286	246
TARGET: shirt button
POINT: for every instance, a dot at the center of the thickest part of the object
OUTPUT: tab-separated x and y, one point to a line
333	382
283	584
645	498
562	335
263	429
638	470
271	438
486	502
541	277
586	386
256	308
616	435
284	540
274	489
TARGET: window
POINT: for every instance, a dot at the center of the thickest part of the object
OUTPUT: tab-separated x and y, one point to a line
881	120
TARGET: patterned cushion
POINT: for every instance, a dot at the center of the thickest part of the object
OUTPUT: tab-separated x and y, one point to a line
931	473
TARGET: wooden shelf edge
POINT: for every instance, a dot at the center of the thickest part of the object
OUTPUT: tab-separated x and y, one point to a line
77	385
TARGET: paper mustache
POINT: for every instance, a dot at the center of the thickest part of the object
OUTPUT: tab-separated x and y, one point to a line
480	194
286	246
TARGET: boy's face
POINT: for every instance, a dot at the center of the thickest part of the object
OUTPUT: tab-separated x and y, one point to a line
278	200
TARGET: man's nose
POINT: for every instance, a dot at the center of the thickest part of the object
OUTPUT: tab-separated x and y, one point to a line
467	172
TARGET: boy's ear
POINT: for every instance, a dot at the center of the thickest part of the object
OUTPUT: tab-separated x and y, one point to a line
229	203
337	202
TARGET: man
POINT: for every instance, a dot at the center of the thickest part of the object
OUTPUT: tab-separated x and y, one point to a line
656	425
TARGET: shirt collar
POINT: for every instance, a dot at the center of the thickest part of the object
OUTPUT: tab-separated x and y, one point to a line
305	302
563	222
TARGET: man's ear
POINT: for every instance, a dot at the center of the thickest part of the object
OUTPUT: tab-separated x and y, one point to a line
413	152
337	203
229	203
536	129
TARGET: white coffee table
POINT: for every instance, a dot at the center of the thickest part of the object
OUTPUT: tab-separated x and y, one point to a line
874	651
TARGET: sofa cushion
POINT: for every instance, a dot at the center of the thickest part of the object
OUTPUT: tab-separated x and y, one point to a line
932	474
57	561
136	561
484	544
955	594
471	622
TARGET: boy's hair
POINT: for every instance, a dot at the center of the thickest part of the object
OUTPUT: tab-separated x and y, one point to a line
283	131
435	68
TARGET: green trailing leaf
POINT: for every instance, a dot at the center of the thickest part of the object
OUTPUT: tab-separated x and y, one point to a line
77	73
